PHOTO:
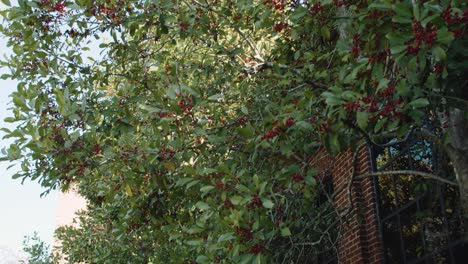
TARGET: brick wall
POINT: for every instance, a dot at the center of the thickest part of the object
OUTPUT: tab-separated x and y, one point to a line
359	241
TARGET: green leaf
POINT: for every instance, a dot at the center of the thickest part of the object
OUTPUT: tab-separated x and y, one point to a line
244	110
444	36
416	11
206	189
380	5
398	49
128	190
20	102
194	242
331	99
169	165
362	119
325	32
439	53
402	20
183	181
9	119
216	97
6	2
428	19
333	143
235	200
310	180
195	230
202	259
285	231
402	10
267	203
379	125
245	132
298	13
202	205
191	184
226	237
420	102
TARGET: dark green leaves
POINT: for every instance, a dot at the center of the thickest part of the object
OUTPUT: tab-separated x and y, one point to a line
194	123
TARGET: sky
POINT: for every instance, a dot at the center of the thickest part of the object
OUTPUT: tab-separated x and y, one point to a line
21	208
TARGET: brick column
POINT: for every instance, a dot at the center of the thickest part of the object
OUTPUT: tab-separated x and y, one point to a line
359	240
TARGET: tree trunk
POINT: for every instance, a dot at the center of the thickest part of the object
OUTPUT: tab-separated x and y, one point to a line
458	154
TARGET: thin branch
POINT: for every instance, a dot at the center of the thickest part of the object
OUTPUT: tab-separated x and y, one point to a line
406	172
392	135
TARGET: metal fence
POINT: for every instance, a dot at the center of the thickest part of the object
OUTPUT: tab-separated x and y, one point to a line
420	220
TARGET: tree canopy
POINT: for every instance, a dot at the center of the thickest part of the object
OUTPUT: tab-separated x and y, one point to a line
189	125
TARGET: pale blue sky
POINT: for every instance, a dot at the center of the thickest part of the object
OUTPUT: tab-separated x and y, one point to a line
21	208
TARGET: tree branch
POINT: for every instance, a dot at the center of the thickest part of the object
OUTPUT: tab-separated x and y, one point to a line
406	172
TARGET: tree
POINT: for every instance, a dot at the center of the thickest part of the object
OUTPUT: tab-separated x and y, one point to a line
190	133
37	250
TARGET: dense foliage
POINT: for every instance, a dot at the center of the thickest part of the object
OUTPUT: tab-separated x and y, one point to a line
189	125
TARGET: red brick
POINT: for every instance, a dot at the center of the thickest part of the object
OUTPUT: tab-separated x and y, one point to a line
359	243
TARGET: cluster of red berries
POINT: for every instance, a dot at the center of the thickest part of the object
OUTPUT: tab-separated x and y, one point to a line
59	7
297	178
450	18
166	153
378	57
356	42
244	233
421	35
269	134
108	10
242	121
457	33
54	7
316	8
255	203
371	101
323	127
289	122
370	104
387	92
165	114
97	149
183	26
131	152
76	145
185	104
278	27
352	106
228	204
220	186
278	5
439	67
256	249
389	109
339	3
279	217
